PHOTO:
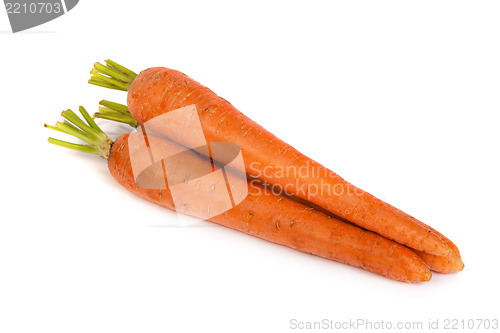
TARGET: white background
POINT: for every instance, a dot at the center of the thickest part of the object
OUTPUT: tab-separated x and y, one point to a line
401	98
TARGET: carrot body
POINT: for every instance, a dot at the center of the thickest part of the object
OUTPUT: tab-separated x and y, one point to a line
281	220
159	90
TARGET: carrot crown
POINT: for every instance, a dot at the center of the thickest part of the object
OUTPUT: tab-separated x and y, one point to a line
111	75
87	130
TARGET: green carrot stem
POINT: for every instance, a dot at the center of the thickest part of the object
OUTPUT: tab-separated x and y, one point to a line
115	106
89	119
74	132
54	128
70	125
83	148
102	83
67	128
105	109
110	72
98	142
112	76
121	68
119	84
118	117
115	112
92	133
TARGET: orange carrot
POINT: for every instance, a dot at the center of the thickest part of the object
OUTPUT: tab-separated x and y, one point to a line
262	214
283	221
158	91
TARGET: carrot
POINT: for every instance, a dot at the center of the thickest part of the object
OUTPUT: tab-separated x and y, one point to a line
158	91
444	264
262	214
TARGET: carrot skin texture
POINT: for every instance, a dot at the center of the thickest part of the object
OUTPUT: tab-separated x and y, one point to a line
159	90
286	222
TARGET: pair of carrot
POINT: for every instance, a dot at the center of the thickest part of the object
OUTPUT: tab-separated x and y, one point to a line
380	242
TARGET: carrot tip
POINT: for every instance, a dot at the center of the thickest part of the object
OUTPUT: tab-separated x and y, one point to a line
460	265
